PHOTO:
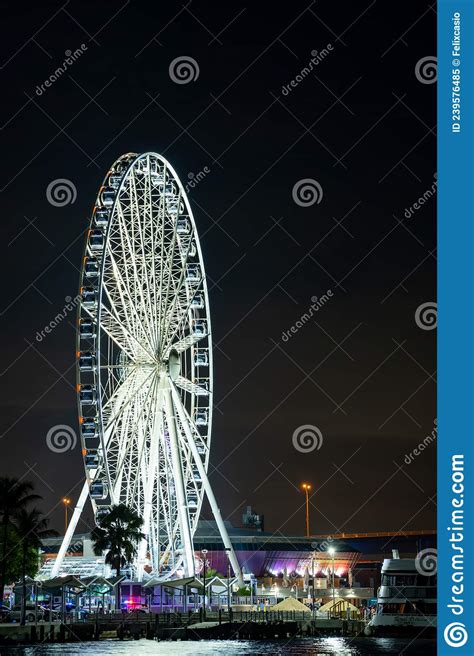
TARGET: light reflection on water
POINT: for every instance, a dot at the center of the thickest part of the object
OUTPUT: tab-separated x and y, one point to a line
309	646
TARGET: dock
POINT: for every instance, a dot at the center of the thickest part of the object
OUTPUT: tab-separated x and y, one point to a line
225	625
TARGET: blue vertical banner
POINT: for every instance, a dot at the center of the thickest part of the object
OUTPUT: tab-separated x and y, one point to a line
455	327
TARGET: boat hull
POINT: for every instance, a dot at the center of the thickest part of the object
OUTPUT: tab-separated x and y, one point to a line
402	626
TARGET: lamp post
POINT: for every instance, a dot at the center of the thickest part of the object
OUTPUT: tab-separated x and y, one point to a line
228	580
306	488
331	552
204	559
66	503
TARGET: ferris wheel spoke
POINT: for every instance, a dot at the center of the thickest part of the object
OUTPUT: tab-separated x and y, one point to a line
127	424
142	430
117	396
113	328
140	256
113	285
134	296
129	307
135	431
120	334
126	397
178	323
168	266
128	247
182	301
116	331
150	472
115	454
152	220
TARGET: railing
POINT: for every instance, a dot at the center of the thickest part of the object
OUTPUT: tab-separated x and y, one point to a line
260	616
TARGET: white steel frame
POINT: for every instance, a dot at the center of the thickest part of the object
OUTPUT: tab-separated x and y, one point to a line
144	372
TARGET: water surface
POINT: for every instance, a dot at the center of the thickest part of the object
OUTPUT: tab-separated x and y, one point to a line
294	647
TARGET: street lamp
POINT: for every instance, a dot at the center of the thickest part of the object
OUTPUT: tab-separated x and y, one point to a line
67	503
228	579
307	487
331	552
204	560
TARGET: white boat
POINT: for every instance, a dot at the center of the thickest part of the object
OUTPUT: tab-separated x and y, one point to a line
406	600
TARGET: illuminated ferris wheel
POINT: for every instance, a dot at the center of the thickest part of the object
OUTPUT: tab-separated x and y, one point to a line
144	364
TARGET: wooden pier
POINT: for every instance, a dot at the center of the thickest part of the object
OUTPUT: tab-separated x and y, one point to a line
222	624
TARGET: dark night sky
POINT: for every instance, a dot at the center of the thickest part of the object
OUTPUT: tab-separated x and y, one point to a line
361	125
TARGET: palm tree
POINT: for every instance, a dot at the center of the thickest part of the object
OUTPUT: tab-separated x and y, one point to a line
14	496
118	534
32	529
